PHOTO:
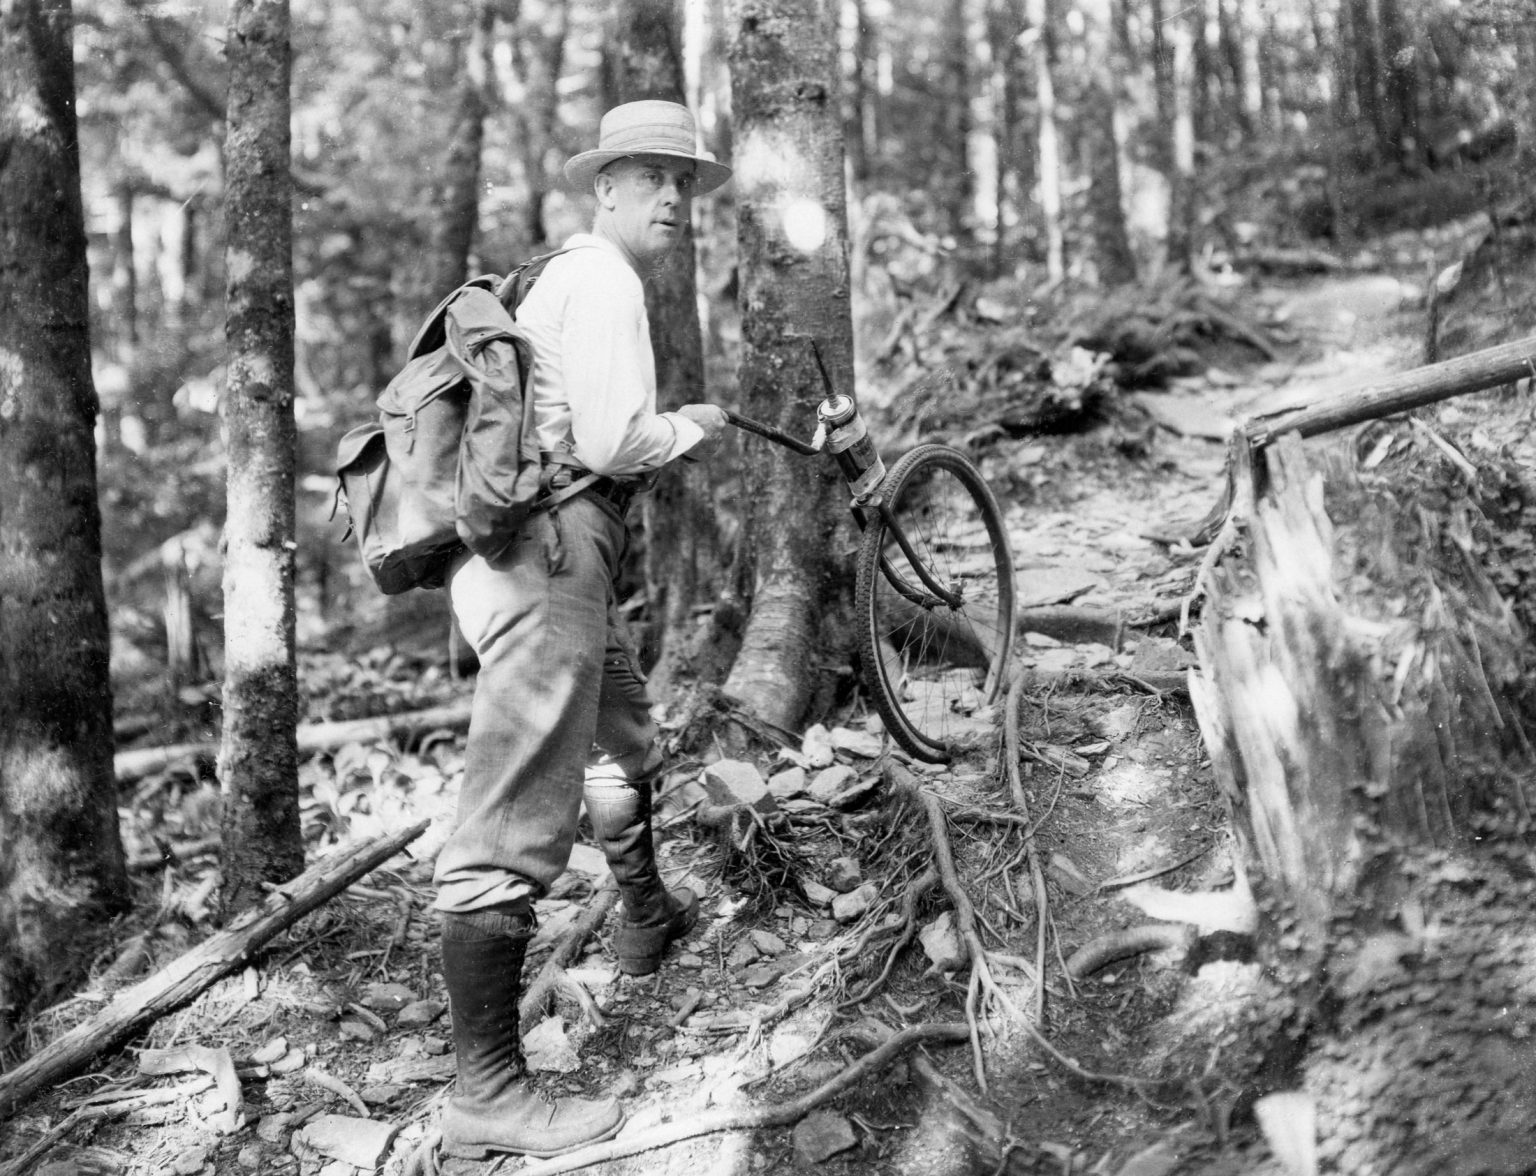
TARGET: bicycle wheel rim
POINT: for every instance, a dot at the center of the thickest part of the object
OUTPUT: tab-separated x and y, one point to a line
932	669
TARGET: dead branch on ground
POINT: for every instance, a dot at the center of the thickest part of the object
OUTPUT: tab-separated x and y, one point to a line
145	761
196	970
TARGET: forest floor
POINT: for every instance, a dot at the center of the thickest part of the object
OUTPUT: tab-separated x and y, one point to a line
772	996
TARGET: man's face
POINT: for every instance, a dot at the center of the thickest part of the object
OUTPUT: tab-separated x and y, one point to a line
650	200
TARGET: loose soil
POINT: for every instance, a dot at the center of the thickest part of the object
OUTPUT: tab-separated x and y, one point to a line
346	1012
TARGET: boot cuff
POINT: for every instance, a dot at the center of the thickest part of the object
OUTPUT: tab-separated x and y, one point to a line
491	923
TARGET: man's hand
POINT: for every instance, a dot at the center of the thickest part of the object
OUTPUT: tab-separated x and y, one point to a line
711	419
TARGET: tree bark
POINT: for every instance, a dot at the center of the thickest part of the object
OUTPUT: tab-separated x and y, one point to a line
955	185
1364	693
258	759
644	60
538	48
792	232
1112	246
458	197
1048	139
61	860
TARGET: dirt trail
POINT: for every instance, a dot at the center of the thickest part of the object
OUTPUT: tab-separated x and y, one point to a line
755	1008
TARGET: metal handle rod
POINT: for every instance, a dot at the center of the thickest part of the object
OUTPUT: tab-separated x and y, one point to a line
771	433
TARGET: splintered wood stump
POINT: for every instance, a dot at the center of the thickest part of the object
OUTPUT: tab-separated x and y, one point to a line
1364	690
1359	679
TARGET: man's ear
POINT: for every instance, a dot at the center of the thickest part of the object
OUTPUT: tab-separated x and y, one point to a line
603	185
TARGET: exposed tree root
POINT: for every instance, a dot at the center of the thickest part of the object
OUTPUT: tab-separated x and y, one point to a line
552	976
751	1118
1119	945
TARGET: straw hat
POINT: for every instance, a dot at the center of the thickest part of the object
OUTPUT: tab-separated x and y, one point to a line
646	128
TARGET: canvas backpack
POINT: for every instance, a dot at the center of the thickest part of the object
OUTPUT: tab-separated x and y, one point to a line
452	461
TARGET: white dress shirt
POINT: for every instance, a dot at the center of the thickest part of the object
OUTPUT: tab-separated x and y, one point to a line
594	375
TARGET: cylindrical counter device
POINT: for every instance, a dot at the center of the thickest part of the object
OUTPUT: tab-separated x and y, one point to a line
851	444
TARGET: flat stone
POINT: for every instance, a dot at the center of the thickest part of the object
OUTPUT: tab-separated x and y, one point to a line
733	782
853	794
829	782
760	975
820	1136
853	905
791	782
363	1143
861	743
190	1162
270	1052
817	894
420	1013
274	1128
357	1031
767	942
388	998
844	874
546	1047
744	953
941	943
821	929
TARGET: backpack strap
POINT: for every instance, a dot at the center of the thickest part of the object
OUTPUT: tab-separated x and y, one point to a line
517	285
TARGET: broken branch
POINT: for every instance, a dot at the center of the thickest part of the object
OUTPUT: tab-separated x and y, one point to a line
194	971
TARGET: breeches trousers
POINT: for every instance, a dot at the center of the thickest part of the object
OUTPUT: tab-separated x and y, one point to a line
559	686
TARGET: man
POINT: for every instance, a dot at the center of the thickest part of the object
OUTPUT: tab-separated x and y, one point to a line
560	707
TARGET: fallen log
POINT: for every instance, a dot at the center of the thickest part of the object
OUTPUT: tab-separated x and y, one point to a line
1417	388
195	970
454	716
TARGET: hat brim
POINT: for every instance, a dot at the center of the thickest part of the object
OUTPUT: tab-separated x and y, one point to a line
581	170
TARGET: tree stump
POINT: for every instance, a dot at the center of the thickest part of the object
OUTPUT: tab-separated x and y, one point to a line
1365	688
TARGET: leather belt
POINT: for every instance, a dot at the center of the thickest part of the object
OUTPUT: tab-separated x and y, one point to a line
611	491
560	474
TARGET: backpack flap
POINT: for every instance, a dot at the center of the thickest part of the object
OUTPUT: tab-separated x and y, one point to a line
498	475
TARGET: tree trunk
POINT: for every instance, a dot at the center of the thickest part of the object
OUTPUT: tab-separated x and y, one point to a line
643	59
792	232
1049	140
1176	132
1112	245
61	860
1401	87
458	195
863	135
1202	69
955	187
1229	36
258	760
538	48
1365	69
1015	166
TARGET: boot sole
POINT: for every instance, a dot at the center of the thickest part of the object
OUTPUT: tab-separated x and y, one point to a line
481	1151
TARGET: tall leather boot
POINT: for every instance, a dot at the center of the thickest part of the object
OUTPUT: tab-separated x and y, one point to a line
496	1108
653	916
